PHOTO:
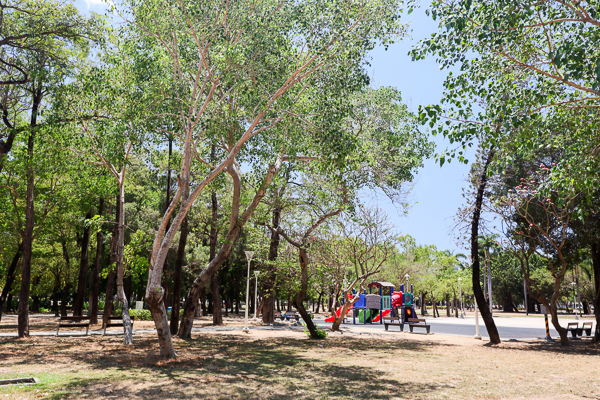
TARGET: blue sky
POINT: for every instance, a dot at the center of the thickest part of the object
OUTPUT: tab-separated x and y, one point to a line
437	193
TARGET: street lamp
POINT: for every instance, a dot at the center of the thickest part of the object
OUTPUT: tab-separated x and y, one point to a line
462	311
249	255
574	302
256	294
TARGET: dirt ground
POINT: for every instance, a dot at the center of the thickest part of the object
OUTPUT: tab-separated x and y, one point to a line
284	364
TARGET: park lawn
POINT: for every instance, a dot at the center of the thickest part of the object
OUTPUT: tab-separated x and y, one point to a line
286	365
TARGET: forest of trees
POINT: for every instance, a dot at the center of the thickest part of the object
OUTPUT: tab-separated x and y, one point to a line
142	155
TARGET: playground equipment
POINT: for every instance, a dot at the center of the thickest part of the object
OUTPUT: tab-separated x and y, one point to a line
370	307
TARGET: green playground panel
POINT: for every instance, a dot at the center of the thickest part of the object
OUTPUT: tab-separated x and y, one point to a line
370	314
386	302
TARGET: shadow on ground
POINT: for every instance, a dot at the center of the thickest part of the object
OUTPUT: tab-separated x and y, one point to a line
216	367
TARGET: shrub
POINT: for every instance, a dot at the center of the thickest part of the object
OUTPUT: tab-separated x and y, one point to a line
141	315
321	333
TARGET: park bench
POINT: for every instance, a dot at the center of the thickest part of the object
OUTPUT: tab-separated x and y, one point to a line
387	321
115	324
277	315
587	328
73	321
417	323
290	315
573	327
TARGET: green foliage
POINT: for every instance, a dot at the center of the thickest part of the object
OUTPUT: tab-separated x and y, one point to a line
321	333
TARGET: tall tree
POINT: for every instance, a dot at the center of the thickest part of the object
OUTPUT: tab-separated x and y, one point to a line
202	46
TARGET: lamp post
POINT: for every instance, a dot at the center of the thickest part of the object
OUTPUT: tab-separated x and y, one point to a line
256	294
574	302
462	311
249	255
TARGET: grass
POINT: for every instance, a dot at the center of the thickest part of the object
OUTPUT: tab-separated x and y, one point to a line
286	365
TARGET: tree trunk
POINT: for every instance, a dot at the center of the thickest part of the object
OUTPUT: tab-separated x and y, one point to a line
110	280
127	330
481	303
55	300
455	303
562	332
79	298
318	302
337	321
65	299
586	307
10	277
177	277
95	284
489	269
595	249
507	305
191	301
447	304
423	303
23	318
217	313
303	259
268	285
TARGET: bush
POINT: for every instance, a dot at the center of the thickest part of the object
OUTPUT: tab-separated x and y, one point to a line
141	315
321	333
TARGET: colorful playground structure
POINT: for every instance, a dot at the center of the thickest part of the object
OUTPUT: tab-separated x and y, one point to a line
371	307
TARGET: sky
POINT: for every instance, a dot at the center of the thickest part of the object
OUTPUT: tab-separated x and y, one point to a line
437	192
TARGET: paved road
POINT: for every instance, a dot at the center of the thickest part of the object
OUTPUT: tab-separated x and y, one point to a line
466	327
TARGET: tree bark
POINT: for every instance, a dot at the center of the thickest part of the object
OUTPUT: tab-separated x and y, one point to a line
110	280
65	299
481	303
83	269
268	285
95	285
177	276
318	302
236	224
595	248
23	318
303	260
447	304
127	330
55	300
10	277
217	313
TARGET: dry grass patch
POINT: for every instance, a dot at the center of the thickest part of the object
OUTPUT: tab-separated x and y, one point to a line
285	365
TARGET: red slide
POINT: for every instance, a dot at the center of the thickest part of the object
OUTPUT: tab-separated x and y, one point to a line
385	314
339	310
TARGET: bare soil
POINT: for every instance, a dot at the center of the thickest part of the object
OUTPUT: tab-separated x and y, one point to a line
284	364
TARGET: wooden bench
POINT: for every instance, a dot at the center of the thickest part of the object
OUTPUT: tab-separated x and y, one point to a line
387	321
115	324
573	327
417	323
290	315
73	323
587	327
